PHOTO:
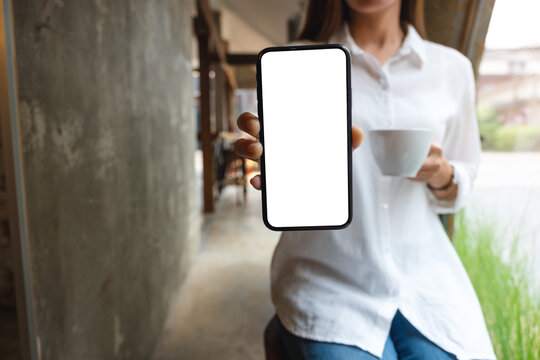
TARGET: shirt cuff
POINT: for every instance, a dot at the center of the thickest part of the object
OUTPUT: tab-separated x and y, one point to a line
464	182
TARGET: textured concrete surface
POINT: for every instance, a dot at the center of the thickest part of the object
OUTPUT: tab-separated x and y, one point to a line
225	303
106	105
9	336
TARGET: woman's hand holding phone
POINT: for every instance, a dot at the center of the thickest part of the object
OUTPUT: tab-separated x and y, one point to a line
252	149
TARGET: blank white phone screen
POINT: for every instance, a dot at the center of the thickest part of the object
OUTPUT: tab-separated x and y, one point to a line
304	110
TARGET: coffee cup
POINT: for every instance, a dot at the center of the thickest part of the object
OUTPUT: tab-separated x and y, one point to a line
400	152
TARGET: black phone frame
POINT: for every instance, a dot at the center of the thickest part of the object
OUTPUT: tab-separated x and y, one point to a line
349	134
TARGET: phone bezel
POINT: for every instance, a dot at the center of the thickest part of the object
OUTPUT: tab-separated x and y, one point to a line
349	134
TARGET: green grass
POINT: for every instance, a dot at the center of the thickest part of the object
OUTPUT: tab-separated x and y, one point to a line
502	280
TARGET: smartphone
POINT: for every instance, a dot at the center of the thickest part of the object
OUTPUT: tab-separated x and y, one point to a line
304	105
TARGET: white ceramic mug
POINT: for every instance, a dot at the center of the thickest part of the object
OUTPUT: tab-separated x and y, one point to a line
400	152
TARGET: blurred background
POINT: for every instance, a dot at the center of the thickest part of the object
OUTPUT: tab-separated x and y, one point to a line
127	229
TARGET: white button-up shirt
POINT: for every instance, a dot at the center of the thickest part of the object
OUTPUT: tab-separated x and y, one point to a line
345	286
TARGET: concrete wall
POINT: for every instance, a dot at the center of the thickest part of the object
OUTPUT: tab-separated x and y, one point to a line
106	108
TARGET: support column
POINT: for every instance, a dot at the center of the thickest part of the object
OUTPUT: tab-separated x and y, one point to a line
207	144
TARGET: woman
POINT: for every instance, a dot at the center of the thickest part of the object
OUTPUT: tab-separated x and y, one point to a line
390	285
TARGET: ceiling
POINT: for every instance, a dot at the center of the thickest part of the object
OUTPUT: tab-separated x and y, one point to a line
266	18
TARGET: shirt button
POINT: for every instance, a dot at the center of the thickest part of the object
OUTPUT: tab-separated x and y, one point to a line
385	206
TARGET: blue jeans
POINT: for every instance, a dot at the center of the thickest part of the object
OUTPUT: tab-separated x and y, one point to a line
404	342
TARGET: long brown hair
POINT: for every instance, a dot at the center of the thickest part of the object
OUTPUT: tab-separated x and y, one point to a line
325	17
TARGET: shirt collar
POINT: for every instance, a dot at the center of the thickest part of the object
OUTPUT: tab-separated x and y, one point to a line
413	44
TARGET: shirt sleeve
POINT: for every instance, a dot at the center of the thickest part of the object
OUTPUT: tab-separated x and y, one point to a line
461	144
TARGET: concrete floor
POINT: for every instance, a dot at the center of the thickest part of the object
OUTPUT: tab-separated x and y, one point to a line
225	303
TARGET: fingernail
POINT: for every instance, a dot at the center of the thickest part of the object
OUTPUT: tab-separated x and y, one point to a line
254	147
253	125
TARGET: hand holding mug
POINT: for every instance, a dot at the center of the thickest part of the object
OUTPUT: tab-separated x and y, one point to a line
437	173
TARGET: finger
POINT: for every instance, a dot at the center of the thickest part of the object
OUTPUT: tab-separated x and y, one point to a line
249	123
426	174
417	179
357	136
435	149
250	149
256	182
429	167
